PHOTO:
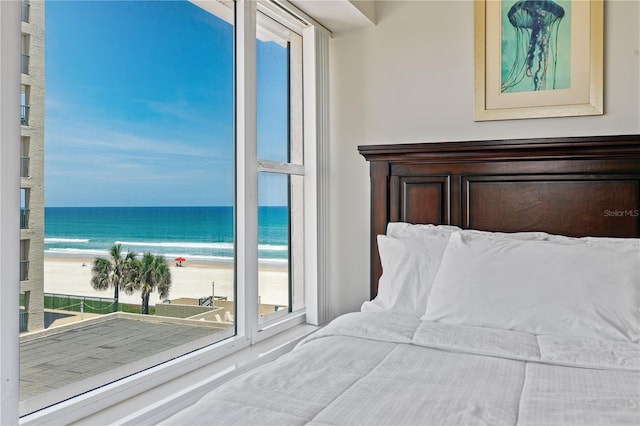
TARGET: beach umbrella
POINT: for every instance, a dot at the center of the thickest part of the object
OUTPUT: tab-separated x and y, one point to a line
180	259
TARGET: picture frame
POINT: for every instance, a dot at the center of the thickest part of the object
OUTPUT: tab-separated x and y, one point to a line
537	67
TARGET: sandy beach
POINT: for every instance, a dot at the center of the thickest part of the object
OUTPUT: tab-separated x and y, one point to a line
72	276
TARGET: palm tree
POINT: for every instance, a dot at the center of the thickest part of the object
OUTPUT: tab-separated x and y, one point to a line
153	274
115	272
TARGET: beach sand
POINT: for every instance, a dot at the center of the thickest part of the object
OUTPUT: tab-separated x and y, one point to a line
69	276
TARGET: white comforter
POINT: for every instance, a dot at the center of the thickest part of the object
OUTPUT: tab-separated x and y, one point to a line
390	369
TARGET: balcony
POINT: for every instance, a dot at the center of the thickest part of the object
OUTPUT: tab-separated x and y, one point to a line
24	218
24	115
24	270
24	166
25	11
24	65
24	321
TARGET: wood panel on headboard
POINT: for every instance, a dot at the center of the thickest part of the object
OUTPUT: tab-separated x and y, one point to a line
571	186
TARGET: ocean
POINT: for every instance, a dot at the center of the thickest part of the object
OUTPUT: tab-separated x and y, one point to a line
203	234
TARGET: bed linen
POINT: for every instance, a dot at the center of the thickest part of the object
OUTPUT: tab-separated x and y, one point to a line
394	369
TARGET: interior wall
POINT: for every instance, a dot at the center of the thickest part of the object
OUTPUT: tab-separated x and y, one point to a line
409	79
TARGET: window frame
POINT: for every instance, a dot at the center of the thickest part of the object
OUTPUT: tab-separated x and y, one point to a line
10	85
248	330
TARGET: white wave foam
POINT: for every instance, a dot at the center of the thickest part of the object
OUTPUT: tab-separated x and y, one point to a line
71	252
177	244
272	247
199	245
65	240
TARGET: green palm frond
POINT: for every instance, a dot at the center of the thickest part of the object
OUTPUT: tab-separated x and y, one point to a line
101	273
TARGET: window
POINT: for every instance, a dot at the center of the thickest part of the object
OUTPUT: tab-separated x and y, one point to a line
139	171
24	11
24	156
24	260
24	105
24	65
280	224
280	167
24	208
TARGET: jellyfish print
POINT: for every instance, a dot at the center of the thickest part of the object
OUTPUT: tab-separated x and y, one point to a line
532	45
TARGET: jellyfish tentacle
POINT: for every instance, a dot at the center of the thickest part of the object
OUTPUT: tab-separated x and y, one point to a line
539	19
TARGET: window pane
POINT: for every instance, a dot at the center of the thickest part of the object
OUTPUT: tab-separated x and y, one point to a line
280	195
279	92
273	248
139	159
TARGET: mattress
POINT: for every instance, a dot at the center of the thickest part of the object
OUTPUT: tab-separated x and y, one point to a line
393	369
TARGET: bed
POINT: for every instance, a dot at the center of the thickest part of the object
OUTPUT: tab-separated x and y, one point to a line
505	290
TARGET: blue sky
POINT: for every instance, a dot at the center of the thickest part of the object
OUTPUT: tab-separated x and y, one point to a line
139	105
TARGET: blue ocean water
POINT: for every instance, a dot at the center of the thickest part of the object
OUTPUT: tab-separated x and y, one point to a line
195	233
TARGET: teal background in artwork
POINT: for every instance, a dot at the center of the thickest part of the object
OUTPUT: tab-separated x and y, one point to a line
513	55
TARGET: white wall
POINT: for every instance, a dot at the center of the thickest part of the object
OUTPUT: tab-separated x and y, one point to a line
409	79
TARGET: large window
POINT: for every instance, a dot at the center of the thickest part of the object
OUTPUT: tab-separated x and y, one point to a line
147	212
138	258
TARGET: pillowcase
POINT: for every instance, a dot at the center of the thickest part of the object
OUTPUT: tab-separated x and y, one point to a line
586	288
409	265
404	229
410	255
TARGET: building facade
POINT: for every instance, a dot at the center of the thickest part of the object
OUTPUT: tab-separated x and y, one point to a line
32	167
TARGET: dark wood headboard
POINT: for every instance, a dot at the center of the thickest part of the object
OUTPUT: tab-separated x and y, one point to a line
570	186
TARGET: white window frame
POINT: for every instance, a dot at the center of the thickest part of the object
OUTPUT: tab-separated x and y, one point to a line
10	45
316	133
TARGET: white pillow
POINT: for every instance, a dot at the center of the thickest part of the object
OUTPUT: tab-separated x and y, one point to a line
409	265
404	229
410	255
588	288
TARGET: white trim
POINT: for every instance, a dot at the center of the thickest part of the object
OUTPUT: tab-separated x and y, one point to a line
10	40
316	136
246	170
325	304
294	17
223	9
269	329
275	167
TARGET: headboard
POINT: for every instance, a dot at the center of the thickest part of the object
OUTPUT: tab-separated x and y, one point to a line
571	186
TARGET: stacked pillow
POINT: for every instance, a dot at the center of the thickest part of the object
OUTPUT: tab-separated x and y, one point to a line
532	282
410	256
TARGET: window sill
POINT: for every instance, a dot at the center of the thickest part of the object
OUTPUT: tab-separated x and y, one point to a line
154	394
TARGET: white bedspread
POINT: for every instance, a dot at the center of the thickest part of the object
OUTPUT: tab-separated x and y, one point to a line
390	369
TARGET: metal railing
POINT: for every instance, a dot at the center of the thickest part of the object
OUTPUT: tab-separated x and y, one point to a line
24	218
69	302
25	64
24	166
24	321
25	11
24	115
24	270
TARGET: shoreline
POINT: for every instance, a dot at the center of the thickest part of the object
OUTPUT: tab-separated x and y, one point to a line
72	275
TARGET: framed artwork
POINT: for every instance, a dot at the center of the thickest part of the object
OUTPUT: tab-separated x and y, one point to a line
538	58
